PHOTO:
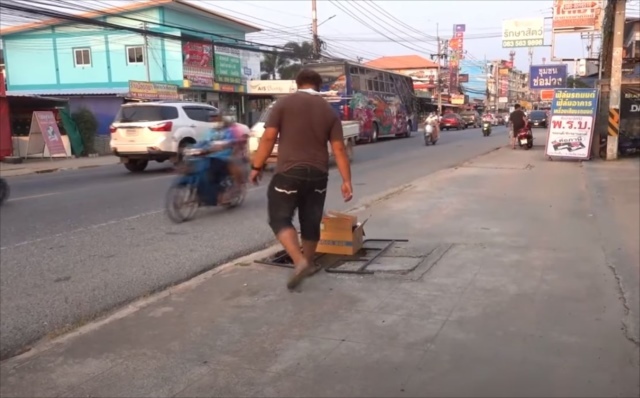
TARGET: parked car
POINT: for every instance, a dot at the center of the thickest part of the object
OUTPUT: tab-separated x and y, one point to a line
539	118
452	121
157	131
471	119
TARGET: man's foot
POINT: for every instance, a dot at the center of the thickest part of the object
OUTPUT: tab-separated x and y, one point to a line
299	275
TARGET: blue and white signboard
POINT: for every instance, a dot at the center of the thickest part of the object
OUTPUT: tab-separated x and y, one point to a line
573	115
547	76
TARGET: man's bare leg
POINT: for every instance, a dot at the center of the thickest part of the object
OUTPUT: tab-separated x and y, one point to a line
288	238
309	252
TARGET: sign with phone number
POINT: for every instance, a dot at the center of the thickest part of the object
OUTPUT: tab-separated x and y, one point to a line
522	43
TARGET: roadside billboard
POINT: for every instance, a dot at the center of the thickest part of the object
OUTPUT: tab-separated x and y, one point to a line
228	62
574	16
547	76
197	64
573	112
457	99
153	91
523	33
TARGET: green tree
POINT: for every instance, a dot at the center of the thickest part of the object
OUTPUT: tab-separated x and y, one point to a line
271	65
87	127
300	53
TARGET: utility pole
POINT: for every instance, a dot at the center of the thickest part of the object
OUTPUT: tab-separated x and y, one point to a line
314	30
616	80
146	52
439	77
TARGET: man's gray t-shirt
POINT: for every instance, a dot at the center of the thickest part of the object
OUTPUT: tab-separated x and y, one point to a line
305	122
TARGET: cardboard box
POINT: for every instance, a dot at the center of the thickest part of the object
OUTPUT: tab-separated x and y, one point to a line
340	234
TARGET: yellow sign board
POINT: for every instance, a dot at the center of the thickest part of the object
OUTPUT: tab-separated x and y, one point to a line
153	91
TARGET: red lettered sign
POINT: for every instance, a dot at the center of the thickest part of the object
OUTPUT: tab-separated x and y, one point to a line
46	122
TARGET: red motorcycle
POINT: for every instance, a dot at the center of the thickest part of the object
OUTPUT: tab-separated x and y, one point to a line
525	137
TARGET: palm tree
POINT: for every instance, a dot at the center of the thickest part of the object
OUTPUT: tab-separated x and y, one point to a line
271	65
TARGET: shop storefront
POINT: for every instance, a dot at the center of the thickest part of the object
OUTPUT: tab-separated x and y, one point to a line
261	93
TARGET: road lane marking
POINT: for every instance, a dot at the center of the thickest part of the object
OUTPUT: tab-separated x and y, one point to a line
42	195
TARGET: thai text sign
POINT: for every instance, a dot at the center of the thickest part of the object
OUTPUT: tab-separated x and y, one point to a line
44	122
457	99
197	64
570	16
573	113
547	76
523	33
228	65
153	91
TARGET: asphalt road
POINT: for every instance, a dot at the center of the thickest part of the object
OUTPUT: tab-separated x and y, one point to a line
77	243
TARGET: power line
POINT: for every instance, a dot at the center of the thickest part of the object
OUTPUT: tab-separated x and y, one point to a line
89	21
358	19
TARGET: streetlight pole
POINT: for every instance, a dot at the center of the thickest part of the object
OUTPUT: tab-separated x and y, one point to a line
314	30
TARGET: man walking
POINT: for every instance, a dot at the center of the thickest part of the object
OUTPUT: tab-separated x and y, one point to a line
302	123
518	121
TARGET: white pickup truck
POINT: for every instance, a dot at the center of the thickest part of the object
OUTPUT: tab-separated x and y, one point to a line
350	129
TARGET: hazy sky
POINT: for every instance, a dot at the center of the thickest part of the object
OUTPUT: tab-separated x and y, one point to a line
389	22
346	36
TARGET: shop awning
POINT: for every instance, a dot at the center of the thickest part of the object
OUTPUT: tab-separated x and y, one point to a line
35	101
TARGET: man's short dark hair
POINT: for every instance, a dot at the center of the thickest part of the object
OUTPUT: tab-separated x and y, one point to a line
517	106
308	77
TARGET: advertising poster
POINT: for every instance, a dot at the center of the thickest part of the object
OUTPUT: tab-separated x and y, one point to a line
573	112
547	76
523	33
574	16
45	123
153	91
197	63
630	110
228	64
250	65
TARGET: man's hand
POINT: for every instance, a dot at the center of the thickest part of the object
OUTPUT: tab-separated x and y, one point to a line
347	191
255	176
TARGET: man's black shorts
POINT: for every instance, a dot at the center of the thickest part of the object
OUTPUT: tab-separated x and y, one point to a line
303	188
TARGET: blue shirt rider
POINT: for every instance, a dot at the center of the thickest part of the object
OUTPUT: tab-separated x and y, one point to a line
220	139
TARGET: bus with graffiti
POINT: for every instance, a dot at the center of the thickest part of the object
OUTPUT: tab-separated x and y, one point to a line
381	101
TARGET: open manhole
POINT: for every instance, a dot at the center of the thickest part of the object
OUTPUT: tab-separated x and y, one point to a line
377	256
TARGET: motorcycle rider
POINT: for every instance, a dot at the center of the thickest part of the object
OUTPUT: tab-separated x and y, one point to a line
240	158
221	141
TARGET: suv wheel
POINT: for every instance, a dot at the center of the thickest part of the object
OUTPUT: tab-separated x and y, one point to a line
136	165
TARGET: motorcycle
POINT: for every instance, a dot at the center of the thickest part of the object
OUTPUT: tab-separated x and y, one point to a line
430	135
4	191
486	128
525	137
193	188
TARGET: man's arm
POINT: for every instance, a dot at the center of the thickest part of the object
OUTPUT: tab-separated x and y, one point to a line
336	138
269	137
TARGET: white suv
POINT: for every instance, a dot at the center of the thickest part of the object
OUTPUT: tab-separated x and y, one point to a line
157	131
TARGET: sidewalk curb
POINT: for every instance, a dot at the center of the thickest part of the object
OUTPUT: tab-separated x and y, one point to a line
119	312
23	171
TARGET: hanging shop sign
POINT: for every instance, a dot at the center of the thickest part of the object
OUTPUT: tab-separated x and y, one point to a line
153	91
523	33
197	64
573	112
228	64
572	16
547	76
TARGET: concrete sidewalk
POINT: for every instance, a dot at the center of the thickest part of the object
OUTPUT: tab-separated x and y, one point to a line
502	290
46	165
